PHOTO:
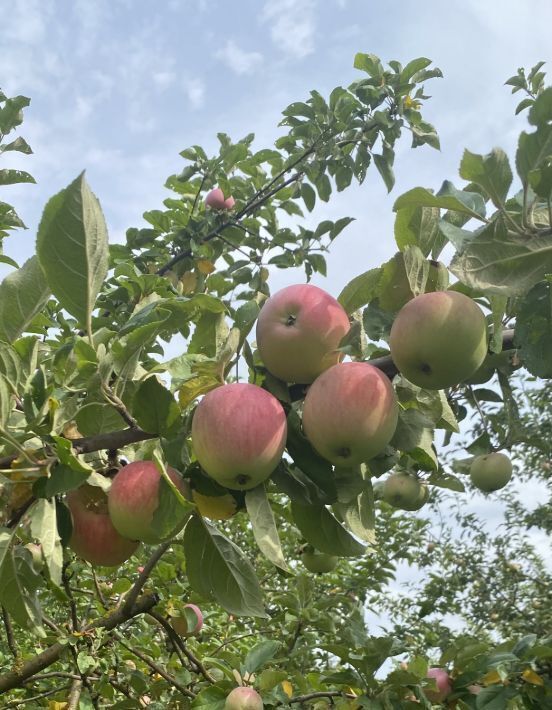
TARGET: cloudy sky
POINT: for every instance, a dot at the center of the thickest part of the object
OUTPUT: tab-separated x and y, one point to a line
119	87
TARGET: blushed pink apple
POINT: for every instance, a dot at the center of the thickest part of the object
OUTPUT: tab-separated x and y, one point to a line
243	698
134	498
94	538
442	681
439	339
190	622
298	331
350	413
216	200
239	434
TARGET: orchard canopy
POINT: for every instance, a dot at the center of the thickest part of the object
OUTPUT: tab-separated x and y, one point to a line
208	489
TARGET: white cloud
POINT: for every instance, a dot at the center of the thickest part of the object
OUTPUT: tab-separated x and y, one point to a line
163	79
292	25
239	61
195	91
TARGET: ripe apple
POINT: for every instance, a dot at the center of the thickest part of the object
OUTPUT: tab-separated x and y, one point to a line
394	287
298	332
401	490
243	698
439	339
318	562
190	622
239	435
350	413
215	507
442	681
94	538
216	200
134	497
491	472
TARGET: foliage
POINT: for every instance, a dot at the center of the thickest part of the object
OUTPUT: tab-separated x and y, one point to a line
86	385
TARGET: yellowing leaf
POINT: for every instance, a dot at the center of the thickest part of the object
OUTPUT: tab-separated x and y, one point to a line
70	431
56	705
205	267
529	676
287	688
188	281
491	678
195	387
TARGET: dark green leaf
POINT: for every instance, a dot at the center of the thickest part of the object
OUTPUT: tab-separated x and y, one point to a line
155	408
264	526
492	172
23	294
98	418
319	527
533	333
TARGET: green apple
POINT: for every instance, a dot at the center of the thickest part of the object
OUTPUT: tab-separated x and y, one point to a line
439	339
404	491
243	698
491	472
318	562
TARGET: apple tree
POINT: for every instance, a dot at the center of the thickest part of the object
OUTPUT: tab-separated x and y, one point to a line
205	485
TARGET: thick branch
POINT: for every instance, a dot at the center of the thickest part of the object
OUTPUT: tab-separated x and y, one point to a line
12	679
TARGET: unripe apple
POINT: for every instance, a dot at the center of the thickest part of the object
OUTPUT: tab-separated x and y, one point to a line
134	497
215	507
243	698
239	435
490	472
298	332
190	622
216	200
350	413
318	562
439	339
442	681
401	490
94	537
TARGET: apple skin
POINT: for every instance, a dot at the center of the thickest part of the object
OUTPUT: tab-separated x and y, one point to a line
215	507
243	698
491	472
318	562
94	538
134	496
439	339
239	435
442	681
404	491
180	624
350	413
216	200
298	332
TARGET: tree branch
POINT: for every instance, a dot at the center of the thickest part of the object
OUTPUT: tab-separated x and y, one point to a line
9	633
16	703
135	590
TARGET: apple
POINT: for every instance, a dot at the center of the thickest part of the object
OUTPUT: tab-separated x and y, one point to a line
215	507
216	200
239	435
318	562
298	332
350	413
401	490
439	339
94	538
190	622
490	472
442	681
394	286
134	497
243	698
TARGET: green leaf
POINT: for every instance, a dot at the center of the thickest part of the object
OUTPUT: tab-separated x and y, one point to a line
323	187
419	226
72	248
495	697
492	172
417	269
385	169
11	114
411	427
541	111
155	408
264	526
98	418
359	514
171	512
19	144
217	569
5	401
448	198
23	294
368	63
308	195
532	152
6	536
413	67
360	291
501	262
259	655
12	177
210	698
44	528
319	527
62	478
18	585
533	332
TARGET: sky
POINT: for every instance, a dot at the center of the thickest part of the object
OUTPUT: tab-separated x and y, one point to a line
119	87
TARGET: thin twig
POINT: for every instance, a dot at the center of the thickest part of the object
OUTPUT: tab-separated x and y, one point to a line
9	633
45	694
135	590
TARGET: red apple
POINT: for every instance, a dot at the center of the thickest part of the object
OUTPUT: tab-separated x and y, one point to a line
216	200
298	331
134	498
239	435
190	622
350	413
243	698
442	681
94	538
